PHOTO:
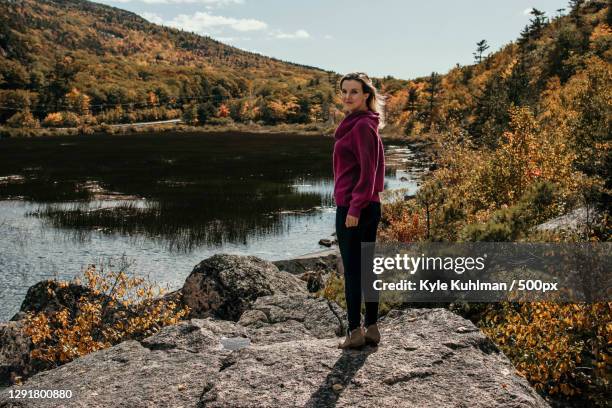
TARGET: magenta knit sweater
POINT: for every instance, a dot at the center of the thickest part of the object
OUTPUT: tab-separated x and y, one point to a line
359	161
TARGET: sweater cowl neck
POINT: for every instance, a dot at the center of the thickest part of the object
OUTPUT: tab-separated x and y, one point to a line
353	118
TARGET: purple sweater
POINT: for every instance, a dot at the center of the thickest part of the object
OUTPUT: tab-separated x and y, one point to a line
359	161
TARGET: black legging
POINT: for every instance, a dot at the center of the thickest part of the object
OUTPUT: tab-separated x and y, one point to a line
349	241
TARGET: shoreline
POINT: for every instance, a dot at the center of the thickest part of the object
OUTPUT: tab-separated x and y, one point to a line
390	132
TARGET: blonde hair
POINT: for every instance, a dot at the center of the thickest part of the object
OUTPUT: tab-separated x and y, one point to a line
375	101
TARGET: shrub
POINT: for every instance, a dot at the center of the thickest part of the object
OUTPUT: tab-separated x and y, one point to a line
62	119
509	224
23	119
123	307
224	121
559	347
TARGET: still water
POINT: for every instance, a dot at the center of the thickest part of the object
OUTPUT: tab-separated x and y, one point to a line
164	202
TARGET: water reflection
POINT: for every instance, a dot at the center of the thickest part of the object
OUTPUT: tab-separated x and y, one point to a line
182	191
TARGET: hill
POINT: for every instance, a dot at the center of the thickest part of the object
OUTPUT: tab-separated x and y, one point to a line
83	58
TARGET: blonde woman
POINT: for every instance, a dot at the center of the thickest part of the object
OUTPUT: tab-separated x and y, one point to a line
359	171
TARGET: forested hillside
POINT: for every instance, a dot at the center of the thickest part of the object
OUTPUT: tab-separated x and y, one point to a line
523	136
71	62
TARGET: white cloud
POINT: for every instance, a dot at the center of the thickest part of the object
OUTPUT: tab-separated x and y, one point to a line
527	11
208	3
152	17
296	34
228	40
327	37
216	26
202	21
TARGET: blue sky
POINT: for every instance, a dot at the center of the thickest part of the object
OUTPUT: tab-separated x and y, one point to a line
405	39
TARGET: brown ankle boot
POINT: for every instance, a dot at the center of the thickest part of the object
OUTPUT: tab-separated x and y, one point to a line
372	335
353	340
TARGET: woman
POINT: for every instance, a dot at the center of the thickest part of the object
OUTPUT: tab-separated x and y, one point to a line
359	171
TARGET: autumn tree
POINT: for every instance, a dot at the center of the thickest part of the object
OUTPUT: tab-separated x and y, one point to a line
77	102
60	83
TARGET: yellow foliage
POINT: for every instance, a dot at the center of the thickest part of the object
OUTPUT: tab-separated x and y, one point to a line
548	341
78	101
602	30
54	119
123	307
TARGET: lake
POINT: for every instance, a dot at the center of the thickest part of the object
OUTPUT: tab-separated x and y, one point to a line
163	202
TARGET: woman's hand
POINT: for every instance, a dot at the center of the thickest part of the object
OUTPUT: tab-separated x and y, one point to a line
351	221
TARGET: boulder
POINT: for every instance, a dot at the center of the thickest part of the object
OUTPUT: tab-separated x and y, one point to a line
325	261
53	296
327	242
315	269
576	220
224	286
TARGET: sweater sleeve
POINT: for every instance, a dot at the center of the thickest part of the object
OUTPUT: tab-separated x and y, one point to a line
365	145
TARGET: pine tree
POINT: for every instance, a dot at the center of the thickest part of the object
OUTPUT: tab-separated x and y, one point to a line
433	89
411	101
481	47
491	113
534	29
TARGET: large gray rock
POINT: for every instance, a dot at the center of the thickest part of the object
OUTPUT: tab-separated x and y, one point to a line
427	358
224	286
15	349
319	261
315	269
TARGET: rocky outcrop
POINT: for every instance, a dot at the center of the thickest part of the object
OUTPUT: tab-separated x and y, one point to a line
224	286
46	296
315	269
427	358
577	220
277	346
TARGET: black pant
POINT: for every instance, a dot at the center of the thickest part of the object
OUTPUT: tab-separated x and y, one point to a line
349	241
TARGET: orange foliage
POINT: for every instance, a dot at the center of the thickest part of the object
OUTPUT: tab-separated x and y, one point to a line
122	308
546	342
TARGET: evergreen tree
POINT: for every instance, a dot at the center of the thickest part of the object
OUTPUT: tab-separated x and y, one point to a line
190	114
538	21
219	95
60	83
533	30
481	47
519	91
491	113
206	111
432	89
411	101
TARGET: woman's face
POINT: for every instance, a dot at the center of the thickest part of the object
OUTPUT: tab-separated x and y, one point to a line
353	97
